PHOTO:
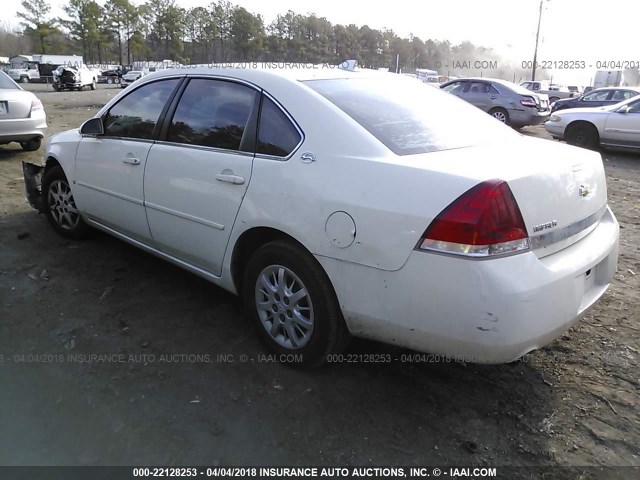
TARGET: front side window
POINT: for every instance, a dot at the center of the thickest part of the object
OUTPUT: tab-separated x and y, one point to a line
455	87
597	96
136	115
212	113
634	107
276	134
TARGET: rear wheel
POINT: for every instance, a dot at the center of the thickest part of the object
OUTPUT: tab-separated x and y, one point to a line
109	80
31	145
500	114
583	135
116	80
60	206
291	302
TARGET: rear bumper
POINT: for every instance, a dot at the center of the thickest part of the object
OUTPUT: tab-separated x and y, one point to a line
481	311
529	117
21	129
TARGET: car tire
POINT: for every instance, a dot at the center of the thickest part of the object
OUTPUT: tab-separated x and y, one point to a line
500	114
31	145
109	80
24	79
583	135
59	205
93	85
292	285
55	87
116	80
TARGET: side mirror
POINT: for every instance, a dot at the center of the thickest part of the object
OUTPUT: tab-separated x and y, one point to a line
623	109
93	126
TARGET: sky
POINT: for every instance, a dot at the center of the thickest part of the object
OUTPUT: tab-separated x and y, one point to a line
570	29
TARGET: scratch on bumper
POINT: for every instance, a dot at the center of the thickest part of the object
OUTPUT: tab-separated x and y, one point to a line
33	184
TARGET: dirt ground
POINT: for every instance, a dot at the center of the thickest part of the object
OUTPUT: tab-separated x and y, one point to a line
186	381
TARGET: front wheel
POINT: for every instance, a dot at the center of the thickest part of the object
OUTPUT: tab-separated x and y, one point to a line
24	79
583	135
60	206
291	302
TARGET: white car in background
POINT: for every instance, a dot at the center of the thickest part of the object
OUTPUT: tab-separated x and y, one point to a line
22	116
130	77
336	204
615	126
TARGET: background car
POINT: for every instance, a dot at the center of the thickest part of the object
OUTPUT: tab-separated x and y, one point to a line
616	126
507	102
130	77
22	116
597	98
260	181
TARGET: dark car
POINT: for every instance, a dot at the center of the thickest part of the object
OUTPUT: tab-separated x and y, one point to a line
600	97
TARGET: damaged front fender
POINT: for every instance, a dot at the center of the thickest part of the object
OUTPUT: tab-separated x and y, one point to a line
33	184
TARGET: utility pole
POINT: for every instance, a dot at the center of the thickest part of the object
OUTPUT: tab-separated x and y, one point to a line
535	52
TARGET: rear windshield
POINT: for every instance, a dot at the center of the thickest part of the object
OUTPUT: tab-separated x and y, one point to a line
6	82
410	117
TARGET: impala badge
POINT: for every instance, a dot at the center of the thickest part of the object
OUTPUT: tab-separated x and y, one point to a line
545	226
584	190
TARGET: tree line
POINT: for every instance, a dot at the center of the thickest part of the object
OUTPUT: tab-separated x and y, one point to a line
122	32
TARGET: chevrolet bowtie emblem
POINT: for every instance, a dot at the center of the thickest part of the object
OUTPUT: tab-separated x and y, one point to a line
584	190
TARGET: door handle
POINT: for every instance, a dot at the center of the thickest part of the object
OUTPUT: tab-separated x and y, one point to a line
131	160
230	178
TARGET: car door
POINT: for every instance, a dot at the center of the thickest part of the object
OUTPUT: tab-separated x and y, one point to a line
480	94
110	167
622	126
197	175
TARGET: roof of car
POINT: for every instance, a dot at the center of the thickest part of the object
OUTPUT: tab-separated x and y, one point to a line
634	89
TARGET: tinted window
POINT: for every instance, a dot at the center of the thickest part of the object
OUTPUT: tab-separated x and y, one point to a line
276	134
479	87
136	115
409	117
620	95
455	87
597	96
634	107
212	113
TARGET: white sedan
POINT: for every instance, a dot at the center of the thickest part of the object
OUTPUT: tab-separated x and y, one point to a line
615	126
341	203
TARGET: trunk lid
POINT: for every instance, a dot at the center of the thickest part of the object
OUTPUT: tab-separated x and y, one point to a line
561	190
14	104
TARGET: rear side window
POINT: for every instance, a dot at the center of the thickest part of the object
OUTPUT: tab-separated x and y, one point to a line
136	115
276	134
6	82
411	117
212	113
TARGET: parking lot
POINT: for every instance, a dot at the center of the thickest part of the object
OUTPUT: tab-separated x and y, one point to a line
109	355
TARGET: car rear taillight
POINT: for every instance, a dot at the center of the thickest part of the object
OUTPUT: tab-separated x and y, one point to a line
483	222
36	106
528	102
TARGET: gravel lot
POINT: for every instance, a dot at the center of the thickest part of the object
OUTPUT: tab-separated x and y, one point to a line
171	394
